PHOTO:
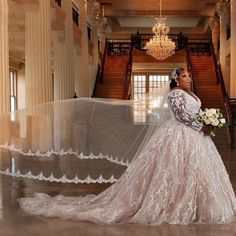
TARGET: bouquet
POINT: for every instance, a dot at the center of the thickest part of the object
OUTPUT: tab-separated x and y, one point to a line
212	117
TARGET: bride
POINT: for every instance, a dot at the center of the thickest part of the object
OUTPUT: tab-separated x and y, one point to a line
179	178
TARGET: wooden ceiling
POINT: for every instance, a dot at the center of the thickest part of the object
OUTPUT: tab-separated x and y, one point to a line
177	11
152	7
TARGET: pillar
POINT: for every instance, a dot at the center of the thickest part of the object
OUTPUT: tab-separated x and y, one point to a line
93	59
38	68
64	84
4	58
84	57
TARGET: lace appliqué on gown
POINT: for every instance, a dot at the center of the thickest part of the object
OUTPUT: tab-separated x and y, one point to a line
178	104
179	178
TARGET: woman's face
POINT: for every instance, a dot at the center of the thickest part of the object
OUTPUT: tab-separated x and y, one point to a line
184	80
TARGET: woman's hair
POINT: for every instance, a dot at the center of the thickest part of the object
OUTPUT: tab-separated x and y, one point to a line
174	76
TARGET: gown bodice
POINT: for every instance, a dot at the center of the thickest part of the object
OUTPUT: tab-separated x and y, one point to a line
184	108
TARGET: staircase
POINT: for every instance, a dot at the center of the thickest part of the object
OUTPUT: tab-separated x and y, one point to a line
206	89
113	86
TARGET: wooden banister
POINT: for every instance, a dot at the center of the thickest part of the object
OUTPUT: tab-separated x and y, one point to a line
100	71
128	75
227	102
189	64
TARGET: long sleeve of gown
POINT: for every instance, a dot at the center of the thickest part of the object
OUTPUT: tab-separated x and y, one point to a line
178	106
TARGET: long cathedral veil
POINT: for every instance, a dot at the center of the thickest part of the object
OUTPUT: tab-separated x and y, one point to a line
84	140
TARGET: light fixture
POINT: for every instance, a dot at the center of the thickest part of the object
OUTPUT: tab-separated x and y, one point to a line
160	46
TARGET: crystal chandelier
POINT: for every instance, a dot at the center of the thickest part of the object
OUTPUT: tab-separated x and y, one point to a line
160	46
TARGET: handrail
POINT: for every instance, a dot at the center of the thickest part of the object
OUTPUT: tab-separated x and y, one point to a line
103	61
219	75
189	64
100	72
128	73
226	99
96	85
75	14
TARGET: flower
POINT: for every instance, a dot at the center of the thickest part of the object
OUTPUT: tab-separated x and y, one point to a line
215	122
212	117
222	121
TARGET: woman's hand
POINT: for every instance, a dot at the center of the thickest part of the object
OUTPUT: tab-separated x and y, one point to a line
207	129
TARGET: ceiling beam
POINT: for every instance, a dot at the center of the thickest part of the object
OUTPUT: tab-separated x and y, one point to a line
154	13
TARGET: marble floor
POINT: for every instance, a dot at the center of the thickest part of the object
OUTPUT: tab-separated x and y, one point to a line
13	221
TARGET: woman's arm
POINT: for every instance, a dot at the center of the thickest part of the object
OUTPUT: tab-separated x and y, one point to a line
177	104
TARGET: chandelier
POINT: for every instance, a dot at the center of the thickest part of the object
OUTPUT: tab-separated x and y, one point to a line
160	46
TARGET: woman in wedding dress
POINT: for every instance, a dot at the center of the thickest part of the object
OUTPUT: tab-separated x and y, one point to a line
179	178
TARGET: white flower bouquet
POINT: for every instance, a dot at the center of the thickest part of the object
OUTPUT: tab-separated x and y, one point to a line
212	117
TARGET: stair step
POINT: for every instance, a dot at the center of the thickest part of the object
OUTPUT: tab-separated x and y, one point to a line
205	82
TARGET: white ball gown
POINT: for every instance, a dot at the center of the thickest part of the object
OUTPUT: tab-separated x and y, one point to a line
179	179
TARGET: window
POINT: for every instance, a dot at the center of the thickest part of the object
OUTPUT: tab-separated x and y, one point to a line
157	81
139	86
143	84
58	2
140	92
89	31
75	14
13	90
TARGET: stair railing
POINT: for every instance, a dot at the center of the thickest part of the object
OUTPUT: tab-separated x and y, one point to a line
119	47
128	75
189	63
100	72
227	104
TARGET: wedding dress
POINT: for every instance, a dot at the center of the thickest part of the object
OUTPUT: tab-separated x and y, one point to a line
178	178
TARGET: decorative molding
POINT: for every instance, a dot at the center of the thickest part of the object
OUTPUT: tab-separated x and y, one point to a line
62	179
215	24
223	10
62	153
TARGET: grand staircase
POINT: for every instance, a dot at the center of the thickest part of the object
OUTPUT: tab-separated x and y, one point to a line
209	85
206	87
113	85
114	76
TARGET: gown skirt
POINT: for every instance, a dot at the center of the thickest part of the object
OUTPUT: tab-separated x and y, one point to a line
179	178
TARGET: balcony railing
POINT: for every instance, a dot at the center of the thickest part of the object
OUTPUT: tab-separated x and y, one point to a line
119	47
200	47
139	41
